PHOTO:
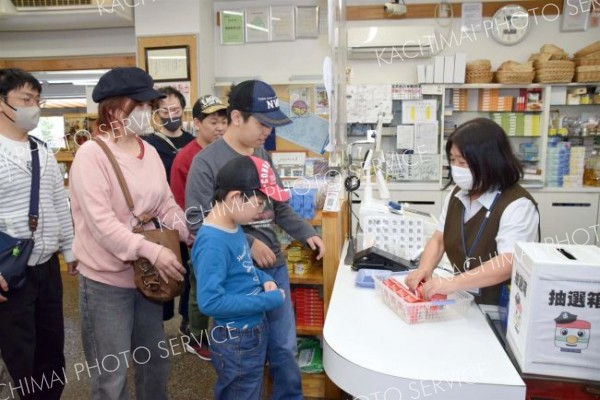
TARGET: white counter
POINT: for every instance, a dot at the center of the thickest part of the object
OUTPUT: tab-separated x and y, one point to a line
370	353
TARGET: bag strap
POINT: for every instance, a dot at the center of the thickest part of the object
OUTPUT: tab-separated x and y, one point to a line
141	219
118	172
166	140
34	194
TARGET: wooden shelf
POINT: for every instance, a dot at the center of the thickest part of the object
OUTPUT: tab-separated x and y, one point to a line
318	219
313	277
313	385
308	330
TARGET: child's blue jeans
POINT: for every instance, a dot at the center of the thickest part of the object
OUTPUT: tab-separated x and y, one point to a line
238	356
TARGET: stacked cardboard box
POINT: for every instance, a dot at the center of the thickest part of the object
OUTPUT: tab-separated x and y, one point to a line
488	100
532	125
308	305
460	99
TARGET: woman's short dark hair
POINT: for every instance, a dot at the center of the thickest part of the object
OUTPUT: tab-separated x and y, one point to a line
489	154
16	78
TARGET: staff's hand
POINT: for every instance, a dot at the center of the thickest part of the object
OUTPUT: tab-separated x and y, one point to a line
168	266
315	242
262	255
416	277
4	287
438	285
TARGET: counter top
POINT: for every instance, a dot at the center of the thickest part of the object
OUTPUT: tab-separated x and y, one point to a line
368	349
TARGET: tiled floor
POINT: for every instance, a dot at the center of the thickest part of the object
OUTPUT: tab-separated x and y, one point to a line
191	378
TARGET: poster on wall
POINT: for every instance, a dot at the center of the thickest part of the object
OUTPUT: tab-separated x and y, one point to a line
232	27
257	24
282	23
307	21
321	100
300	101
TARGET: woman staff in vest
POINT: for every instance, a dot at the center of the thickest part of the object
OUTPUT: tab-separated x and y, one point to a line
482	218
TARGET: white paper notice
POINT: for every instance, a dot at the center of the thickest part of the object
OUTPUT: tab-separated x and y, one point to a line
405	137
471	17
365	103
426	138
419	111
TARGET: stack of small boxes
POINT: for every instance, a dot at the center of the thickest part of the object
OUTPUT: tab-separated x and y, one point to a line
576	166
488	100
518	124
308	305
557	163
460	99
532	125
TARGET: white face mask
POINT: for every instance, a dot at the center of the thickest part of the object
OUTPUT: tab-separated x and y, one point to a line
462	177
138	121
26	118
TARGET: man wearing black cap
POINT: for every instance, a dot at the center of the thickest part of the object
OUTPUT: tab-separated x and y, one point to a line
252	113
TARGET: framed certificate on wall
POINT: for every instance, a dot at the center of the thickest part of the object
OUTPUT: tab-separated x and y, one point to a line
168	63
257	24
282	23
232	27
307	21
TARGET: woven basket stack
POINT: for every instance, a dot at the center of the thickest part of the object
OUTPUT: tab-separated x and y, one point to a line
552	65
514	72
588	63
479	71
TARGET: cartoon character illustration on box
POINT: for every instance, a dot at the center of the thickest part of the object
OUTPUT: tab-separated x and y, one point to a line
518	311
572	335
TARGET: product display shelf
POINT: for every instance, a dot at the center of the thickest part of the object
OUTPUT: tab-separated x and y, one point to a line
519	109
333	232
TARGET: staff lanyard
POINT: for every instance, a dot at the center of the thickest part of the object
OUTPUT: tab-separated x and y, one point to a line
481	228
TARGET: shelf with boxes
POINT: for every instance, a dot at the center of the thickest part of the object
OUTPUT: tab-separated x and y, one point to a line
311	291
573	136
517	109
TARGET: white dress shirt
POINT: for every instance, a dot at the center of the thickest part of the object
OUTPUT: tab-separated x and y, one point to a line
518	223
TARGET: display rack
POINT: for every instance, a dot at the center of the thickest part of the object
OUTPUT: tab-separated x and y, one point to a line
333	230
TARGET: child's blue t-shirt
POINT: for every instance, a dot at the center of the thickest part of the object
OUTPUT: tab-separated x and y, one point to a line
229	287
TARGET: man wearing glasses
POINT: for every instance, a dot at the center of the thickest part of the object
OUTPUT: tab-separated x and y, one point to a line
32	333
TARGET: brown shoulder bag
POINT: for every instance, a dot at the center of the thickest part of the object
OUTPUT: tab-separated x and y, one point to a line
146	277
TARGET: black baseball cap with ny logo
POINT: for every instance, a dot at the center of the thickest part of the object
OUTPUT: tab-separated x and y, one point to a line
259	99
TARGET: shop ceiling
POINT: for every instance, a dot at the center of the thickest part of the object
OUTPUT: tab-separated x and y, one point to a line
46	15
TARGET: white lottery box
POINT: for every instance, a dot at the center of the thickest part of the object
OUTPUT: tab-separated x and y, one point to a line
554	311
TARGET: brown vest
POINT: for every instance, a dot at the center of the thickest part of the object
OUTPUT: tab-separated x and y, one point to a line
486	248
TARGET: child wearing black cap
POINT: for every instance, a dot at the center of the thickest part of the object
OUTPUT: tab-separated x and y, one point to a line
230	288
252	113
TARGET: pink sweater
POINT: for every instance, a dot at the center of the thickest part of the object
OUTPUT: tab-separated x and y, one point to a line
104	243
